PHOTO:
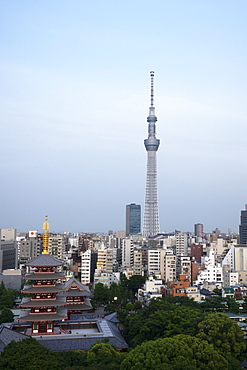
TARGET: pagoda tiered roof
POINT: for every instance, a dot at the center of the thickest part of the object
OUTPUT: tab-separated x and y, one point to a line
45	260
47	317
29	289
81	289
58	301
78	306
44	276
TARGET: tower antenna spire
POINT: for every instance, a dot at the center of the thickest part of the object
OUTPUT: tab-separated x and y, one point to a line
152	88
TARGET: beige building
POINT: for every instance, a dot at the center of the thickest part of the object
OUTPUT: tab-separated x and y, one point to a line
138	266
240	257
193	293
105	260
167	265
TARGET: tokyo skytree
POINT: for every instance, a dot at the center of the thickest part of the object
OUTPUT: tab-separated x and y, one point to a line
151	225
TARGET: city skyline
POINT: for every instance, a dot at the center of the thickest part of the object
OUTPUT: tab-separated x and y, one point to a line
74	92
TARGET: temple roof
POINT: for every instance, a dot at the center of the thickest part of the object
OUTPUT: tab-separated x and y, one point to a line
78	307
77	293
47	317
44	276
7	335
27	302
29	289
80	286
45	260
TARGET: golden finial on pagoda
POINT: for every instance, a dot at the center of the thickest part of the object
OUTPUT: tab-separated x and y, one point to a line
46	227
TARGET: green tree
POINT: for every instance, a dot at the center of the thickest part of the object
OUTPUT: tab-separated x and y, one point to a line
138	305
135	282
6	315
232	305
214	304
104	355
101	293
181	352
226	336
115	293
29	354
7	297
161	319
129	306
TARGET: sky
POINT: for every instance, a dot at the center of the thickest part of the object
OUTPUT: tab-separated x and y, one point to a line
74	96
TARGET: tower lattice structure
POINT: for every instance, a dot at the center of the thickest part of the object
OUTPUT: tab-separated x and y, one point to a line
151	213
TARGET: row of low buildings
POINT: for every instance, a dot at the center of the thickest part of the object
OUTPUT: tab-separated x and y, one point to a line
208	261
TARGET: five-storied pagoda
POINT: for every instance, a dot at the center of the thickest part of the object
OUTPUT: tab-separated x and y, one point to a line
151	214
45	301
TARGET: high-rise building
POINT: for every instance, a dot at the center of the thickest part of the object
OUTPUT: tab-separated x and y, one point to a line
8	249
243	226
199	230
151	214
133	219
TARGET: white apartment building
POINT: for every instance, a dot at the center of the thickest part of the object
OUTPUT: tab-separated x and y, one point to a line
181	240
85	267
229	258
154	262
212	272
127	248
150	290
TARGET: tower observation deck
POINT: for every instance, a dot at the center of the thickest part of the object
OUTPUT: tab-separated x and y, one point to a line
151	213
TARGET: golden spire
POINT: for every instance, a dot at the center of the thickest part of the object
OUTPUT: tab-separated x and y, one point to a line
46	227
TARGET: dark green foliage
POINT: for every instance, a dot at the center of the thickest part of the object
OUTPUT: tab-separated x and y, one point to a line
232	305
214	304
28	354
7	297
135	282
225	334
161	319
6	315
181	352
138	305
104	356
101	293
129	306
72	359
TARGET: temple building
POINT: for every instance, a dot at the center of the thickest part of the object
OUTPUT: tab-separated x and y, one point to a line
45	301
55	312
77	298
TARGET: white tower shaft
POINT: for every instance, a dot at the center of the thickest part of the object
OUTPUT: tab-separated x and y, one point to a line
151	213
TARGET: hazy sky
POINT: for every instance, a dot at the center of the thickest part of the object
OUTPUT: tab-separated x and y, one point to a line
74	92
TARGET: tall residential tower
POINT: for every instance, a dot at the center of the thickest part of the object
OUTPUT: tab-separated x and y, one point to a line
151	214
